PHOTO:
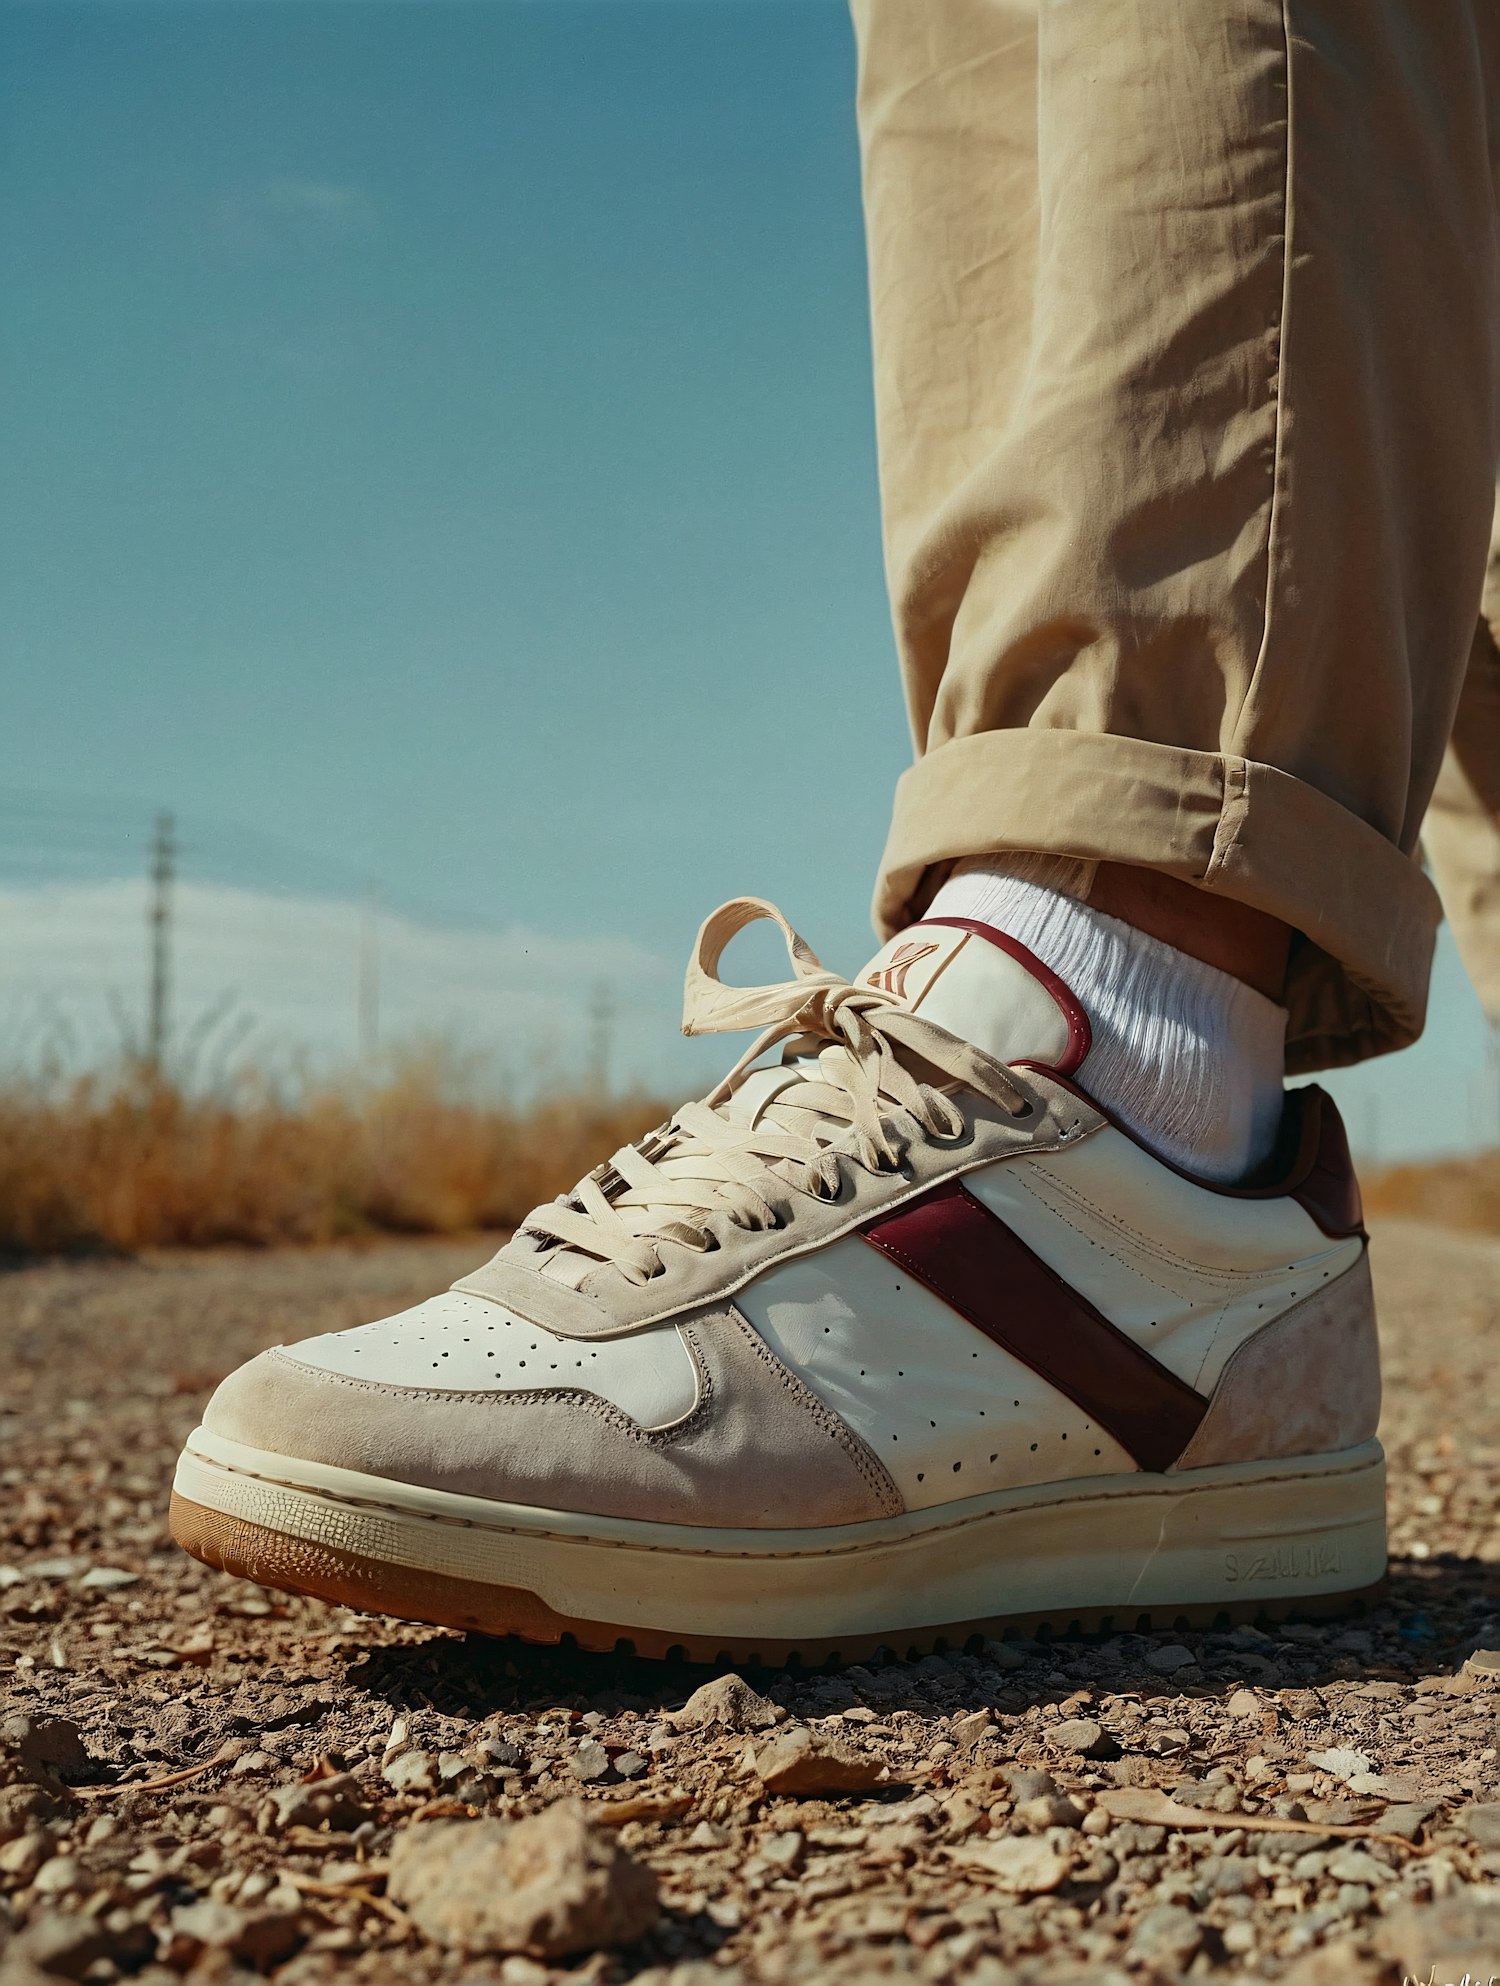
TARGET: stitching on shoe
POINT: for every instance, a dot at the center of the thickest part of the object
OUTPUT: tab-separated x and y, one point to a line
1161	1254
602	1409
1169	1483
872	1470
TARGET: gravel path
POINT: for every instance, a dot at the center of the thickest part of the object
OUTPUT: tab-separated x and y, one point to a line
1311	1802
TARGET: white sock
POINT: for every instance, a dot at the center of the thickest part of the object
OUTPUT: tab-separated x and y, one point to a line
1190	1058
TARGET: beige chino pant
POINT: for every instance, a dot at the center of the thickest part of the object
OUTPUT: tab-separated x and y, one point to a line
1185	327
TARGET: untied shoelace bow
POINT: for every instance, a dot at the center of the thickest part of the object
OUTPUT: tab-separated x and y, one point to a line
843	1089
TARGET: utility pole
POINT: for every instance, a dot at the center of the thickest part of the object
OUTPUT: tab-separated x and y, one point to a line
159	928
369	979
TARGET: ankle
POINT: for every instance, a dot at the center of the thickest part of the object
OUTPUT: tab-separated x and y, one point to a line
1232	937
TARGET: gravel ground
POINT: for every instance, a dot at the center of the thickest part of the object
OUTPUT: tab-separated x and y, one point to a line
198	1778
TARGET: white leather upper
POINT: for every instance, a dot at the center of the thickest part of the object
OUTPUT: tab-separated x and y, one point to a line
947	1411
467	1344
1187	1272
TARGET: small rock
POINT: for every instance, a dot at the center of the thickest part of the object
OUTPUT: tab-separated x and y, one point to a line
22	1807
1001	1655
60	1945
729	1702
1461	1932
1243	1703
1379	1786
1339	1964
502	1756
783	1850
1407	1820
411	1772
518	1971
589	1762
1081	1735
1028	1782
260	1935
799	1761
549	1886
40	1750
971	1730
334	1801
461	1778
1481	1824
630	1765
1340	1762
708	1835
1357	1865
22	1857
107	1579
1022	1865
1484	1664
1166	1661
57	1877
1048	1810
1167	1936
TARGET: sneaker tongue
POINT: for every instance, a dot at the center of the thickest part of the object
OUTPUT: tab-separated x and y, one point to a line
986	988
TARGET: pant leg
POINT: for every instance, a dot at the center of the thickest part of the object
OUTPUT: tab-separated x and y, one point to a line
1192	582
1462	831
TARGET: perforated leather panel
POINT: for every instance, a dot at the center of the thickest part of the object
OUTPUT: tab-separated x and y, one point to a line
470	1345
948	1412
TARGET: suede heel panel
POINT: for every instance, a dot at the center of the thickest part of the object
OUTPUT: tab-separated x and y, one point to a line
1309	1384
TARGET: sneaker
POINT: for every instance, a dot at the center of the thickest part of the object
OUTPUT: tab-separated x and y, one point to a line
892	1339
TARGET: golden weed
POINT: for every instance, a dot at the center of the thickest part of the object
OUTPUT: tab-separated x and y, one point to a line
130	1162
1458	1192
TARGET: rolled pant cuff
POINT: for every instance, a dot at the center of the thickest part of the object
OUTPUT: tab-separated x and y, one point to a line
1357	984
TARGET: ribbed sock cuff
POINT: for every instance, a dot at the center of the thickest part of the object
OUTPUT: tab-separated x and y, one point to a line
1190	1058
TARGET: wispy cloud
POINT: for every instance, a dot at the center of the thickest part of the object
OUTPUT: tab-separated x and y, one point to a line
292	207
282	975
320	199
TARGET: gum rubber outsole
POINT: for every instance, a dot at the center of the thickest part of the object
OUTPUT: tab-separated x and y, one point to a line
298	1565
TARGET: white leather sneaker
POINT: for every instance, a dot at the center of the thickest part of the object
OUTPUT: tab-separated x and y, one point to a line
889	1340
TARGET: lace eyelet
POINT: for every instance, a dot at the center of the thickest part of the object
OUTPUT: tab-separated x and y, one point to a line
1026	1110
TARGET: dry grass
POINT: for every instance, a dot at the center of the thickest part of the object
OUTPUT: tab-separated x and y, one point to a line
126	1162
1458	1192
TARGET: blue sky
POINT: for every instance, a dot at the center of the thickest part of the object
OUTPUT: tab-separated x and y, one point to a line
443	434
440	435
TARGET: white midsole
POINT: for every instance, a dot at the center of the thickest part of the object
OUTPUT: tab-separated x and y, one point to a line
1243	1531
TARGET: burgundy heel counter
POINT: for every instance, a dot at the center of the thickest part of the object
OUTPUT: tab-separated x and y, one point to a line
1328	1190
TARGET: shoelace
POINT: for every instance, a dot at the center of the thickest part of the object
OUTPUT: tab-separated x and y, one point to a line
859	1077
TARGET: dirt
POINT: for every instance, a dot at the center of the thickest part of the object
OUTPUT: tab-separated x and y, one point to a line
1312	1801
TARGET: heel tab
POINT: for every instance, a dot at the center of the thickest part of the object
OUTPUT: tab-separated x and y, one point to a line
1323	1181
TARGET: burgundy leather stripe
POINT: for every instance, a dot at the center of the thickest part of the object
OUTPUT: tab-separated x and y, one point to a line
968	1256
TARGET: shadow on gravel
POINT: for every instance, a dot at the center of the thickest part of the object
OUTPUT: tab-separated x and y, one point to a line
1434	1613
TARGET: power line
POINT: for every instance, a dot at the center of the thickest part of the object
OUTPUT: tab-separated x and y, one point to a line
63	827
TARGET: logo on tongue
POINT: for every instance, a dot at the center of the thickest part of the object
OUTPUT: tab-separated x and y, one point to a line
891	978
